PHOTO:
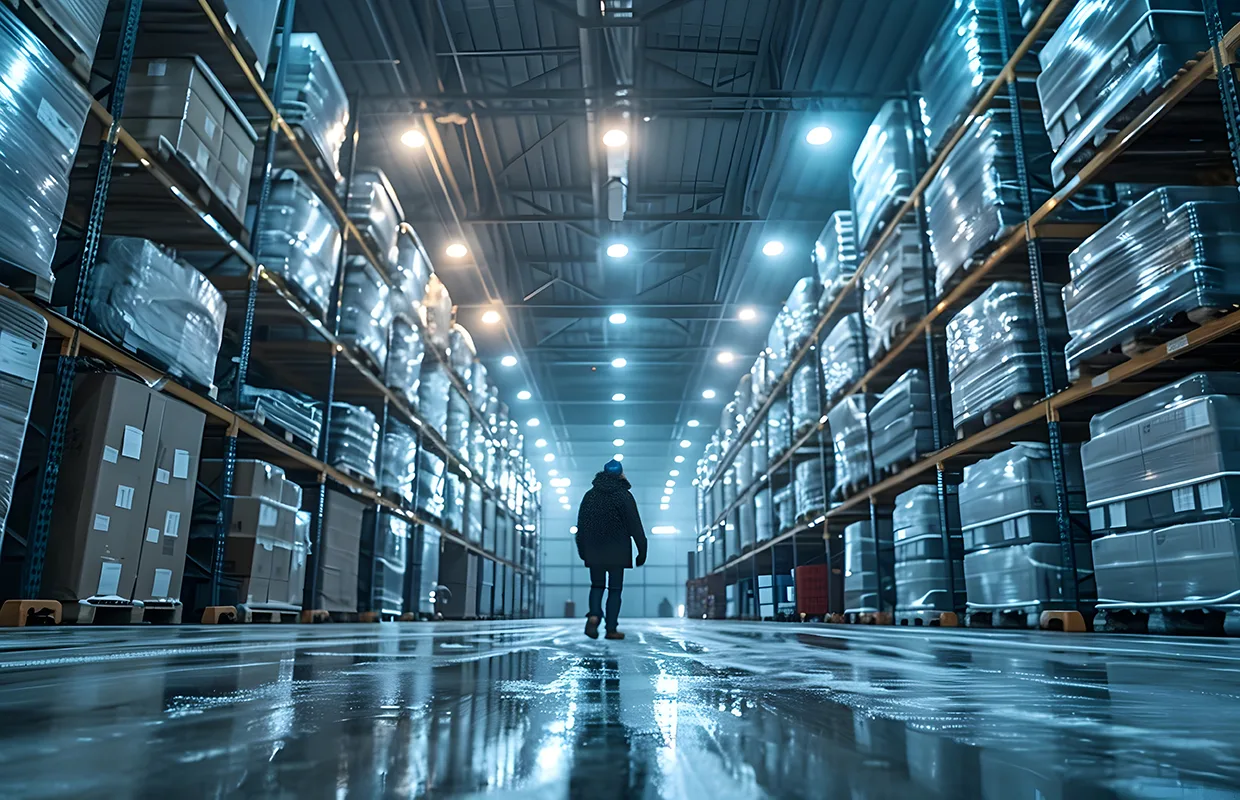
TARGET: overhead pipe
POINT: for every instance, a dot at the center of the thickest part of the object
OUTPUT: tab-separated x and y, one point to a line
608	71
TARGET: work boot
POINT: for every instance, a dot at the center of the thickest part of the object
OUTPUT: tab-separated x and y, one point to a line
614	635
592	624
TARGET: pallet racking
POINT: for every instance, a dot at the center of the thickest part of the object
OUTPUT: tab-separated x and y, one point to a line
1202	100
141	194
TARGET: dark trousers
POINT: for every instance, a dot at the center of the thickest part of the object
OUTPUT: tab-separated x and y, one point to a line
613	581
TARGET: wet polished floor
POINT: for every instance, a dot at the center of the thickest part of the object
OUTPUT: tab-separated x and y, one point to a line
680	710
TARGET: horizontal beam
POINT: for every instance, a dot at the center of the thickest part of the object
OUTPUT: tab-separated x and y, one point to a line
679	311
582	219
517	53
633	96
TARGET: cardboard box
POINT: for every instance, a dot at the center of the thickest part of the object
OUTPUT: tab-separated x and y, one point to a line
161	560
237	150
338	553
182	138
179	88
103	492
251	478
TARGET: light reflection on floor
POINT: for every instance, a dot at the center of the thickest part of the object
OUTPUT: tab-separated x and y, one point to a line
679	710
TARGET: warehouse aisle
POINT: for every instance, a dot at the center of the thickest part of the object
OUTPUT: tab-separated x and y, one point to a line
679	710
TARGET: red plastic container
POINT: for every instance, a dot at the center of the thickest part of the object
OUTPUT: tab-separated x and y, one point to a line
813	598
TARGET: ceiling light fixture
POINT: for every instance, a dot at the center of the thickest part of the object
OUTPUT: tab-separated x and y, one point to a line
686	443
618	423
524	394
573	530
549	457
617	318
819	135
665	530
725	357
773	248
670	483
617	250
693	423
541	443
708	394
617	443
533	422
615	138
618	457
456	250
674	473
619	363
553	472
618	397
747	315
490	317
413	139
508	361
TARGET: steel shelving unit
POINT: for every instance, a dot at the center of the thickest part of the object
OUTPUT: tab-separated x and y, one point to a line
1018	254
123	162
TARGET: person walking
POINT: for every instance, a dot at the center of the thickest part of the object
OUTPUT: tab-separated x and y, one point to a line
608	526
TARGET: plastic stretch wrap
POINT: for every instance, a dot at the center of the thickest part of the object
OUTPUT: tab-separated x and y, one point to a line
148	302
894	290
759	456
800	314
1021	576
1010	497
843	356
922	577
1107	54
375	210
365	316
454	502
1174	251
764	515
778	428
759	381
974	200
744	395
473	512
1030	11
399	464
433	396
431	483
866	558
300	240
1193	565
457	435
1171	456
412	270
81	20
747	524
353	439
900	424
386	540
785	509
461	353
965	55
882	171
848	439
42	111
313	98
727	422
992	348
437	311
777	349
299	416
732	536
479	390
729	489
403	368
835	255
810	484
23	332
806	401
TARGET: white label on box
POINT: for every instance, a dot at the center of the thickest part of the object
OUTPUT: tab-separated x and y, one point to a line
243	165
1211	494
1009	529
267	516
109	578
157	69
1196	415
163	577
152	534
1178	343
162	475
172	523
180	464
19	357
234	195
111	454
132	446
1119	515
209	126
57	126
102	522
203	157
124	496
1097	518
1100	380
1182	499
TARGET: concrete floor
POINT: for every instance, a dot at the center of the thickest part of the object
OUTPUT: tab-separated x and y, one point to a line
680	710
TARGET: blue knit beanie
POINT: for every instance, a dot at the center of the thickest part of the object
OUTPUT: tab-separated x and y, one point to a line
613	468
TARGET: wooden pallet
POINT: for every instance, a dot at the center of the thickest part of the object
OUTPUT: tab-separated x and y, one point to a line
102	614
270	616
29	613
43	25
356	475
1168	621
928	619
864	618
1027	618
162	613
1146	339
279	431
25	282
996	414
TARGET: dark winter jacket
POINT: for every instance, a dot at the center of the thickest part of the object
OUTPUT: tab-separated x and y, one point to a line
608	524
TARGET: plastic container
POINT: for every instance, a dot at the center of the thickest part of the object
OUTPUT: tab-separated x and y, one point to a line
867	560
900	424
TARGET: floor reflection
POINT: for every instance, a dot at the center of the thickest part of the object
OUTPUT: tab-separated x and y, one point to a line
696	710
